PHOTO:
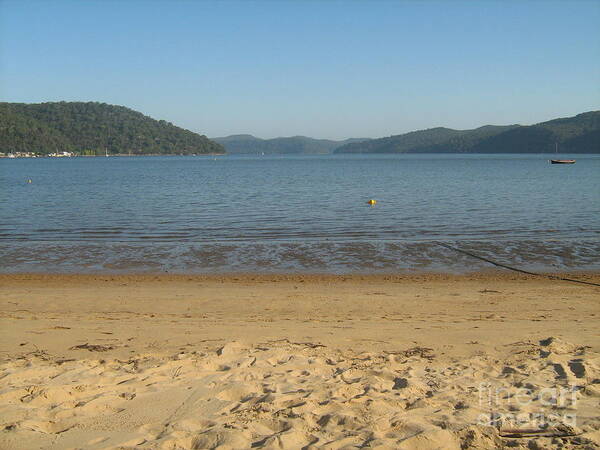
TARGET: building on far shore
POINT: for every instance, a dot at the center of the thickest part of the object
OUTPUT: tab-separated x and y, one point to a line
62	154
18	155
36	155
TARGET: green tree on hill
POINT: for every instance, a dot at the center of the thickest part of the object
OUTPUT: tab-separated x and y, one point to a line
85	127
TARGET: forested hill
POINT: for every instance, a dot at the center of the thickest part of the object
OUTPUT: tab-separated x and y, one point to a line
93	128
579	134
246	143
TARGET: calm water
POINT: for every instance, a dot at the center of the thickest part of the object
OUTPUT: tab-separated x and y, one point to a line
304	213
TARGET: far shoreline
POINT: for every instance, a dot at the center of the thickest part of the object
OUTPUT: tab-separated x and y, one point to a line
546	155
264	277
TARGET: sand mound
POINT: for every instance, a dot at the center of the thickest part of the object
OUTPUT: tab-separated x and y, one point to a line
301	395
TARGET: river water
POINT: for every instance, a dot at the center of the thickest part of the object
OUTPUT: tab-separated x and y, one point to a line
210	214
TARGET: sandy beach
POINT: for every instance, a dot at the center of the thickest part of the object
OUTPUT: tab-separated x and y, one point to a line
299	361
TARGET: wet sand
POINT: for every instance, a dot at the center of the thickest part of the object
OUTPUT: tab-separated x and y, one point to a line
239	361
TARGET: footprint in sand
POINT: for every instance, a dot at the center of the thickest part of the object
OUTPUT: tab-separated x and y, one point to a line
577	367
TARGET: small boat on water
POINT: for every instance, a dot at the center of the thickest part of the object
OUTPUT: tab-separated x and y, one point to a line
560	161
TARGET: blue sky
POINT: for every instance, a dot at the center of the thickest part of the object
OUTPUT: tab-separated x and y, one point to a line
328	69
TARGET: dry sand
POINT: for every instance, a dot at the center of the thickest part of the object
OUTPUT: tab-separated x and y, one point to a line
240	361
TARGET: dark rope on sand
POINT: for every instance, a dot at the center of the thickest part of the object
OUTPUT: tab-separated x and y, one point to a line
553	277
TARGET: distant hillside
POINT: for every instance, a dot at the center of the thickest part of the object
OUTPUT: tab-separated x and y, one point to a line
93	128
402	143
246	143
579	134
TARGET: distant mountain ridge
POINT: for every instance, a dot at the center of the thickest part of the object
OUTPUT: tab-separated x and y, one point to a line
578	134
96	128
248	144
93	128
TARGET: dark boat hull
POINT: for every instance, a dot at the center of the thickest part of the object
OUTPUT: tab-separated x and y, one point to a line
562	161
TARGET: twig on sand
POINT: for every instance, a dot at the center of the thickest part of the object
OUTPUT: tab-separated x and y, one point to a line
92	347
304	344
558	431
422	352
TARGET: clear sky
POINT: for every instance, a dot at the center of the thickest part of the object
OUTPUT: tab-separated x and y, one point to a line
329	69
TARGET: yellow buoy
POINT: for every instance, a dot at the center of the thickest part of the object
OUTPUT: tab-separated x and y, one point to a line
372	202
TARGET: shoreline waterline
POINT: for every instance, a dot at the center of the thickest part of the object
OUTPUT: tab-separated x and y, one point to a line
410	277
301	257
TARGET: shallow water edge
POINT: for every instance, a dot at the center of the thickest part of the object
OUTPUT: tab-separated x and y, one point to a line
300	257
